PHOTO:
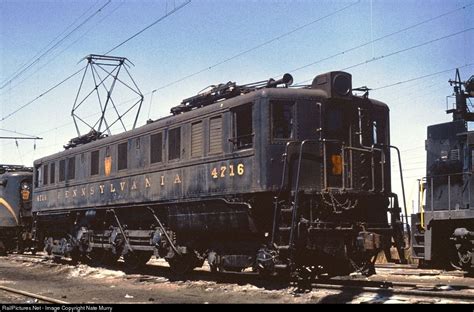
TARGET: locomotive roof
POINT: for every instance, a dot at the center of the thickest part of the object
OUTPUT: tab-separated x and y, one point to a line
220	106
14	169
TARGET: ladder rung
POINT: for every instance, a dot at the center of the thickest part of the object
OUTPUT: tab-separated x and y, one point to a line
287	210
284	228
283	247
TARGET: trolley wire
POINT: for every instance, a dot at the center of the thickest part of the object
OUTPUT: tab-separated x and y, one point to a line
66	48
149	26
380	57
260	45
16	132
7	80
379	38
41	95
37	59
421	77
77	72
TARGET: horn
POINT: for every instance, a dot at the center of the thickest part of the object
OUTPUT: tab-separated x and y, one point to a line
287	79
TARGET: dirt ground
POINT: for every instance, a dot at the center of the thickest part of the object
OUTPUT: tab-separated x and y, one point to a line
154	284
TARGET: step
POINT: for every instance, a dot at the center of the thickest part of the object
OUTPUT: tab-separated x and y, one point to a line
284	228
286	210
283	247
418	246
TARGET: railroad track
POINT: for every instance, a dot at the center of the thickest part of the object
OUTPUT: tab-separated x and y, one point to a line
27	294
461	292
418	288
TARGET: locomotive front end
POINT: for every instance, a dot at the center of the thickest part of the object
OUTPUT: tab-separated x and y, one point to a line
331	208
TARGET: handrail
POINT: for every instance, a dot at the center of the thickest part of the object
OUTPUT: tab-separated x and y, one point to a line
295	208
403	191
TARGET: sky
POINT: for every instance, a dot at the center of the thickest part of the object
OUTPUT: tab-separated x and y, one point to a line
203	42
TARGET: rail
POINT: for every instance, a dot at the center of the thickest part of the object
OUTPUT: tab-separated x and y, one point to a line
32	295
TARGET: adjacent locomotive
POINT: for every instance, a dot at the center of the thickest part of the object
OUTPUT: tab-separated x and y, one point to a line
15	207
260	175
443	229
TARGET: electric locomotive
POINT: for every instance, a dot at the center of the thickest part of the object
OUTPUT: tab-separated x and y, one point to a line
15	208
262	176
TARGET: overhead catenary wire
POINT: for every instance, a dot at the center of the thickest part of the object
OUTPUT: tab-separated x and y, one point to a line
421	77
41	95
379	39
94	26
380	57
120	44
258	46
36	60
45	47
149	26
16	132
444	14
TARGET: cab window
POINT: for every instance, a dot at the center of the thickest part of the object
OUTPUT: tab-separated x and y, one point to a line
282	119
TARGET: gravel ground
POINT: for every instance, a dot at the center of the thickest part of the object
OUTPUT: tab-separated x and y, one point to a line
154	284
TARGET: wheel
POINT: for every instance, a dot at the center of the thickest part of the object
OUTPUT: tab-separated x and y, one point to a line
136	259
99	257
76	256
180	265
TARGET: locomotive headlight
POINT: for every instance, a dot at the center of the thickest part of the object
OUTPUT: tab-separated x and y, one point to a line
342	84
25	191
336	161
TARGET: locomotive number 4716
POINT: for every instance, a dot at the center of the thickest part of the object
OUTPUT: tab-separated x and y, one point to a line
227	170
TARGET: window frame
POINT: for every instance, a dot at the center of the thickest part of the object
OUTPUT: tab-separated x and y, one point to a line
236	139
52	172
92	153
120	161
45	174
71	170
62	170
178	157
273	103
160	145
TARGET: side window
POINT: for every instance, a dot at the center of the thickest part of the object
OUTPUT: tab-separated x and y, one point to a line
62	170
122	156
282	119
215	135
37	175
174	144
156	148
242	124
94	163
71	168
52	175
197	140
45	174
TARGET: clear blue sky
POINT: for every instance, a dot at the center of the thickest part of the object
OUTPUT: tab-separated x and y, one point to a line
204	33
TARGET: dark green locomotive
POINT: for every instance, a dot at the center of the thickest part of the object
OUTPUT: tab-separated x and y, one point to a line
262	175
